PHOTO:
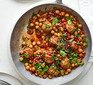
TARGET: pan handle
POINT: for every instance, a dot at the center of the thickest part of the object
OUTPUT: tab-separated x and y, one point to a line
59	1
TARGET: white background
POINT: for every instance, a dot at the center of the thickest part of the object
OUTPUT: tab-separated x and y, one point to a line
10	11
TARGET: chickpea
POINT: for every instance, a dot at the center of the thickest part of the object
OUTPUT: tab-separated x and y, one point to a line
31	46
27	67
57	11
75	33
34	43
82	35
23	43
76	64
23	37
66	15
73	65
21	52
37	27
21	58
58	34
36	23
36	74
62	13
26	64
38	42
43	37
61	28
34	17
40	75
55	34
50	77
79	25
56	73
33	69
71	16
30	61
40	24
80	50
38	15
44	76
68	70
52	31
66	73
81	55
31	24
79	60
40	20
74	22
72	36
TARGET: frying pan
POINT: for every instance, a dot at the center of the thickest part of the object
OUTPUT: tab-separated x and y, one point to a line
22	24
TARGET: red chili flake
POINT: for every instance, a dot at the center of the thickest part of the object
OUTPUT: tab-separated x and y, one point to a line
33	39
41	61
30	32
36	59
59	75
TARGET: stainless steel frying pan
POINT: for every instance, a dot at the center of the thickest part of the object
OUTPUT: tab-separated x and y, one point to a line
21	25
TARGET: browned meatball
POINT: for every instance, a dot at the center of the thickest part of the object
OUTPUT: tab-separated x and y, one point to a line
28	51
48	58
65	63
73	46
54	40
70	28
51	71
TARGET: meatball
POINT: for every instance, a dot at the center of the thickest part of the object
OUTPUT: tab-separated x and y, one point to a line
65	63
70	28
51	71
28	51
48	58
73	46
54	40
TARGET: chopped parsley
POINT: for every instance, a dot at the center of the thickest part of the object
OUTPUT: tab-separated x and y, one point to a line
38	66
47	38
47	26
69	22
62	53
55	21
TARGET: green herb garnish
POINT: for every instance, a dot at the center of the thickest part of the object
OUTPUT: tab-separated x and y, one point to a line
70	40
64	35
25	60
69	22
85	40
45	69
53	66
43	54
62	53
69	18
55	21
25	55
38	66
33	14
58	62
48	27
47	38
54	56
34	55
28	27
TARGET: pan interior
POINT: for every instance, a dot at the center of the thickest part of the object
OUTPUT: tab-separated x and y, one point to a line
15	38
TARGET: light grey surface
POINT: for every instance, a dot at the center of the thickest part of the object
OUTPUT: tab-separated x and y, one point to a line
14	45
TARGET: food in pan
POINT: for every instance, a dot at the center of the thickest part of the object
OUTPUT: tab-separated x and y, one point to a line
53	44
